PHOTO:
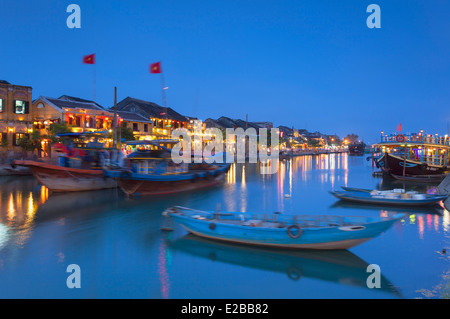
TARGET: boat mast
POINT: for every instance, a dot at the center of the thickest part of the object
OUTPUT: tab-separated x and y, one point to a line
115	119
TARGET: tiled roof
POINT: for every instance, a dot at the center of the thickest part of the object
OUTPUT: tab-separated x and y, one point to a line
151	109
77	99
132	117
62	103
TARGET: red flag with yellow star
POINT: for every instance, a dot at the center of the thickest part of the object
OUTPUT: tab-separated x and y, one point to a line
155	67
89	59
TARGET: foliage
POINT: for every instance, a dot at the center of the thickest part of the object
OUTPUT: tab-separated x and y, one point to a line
125	133
313	143
55	129
3	142
26	144
352	138
30	143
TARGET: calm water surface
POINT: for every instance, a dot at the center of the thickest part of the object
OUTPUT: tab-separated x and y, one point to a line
122	253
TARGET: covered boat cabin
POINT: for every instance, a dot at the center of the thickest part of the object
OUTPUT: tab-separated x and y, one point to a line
153	157
421	148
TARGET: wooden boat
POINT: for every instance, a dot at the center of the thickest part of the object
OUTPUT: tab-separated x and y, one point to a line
7	170
353	189
356	149
417	157
390	197
151	171
67	179
282	231
437	178
76	170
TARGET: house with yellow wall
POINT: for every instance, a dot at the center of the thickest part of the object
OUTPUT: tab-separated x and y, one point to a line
16	118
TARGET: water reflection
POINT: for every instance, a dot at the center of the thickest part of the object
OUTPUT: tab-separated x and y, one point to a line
342	267
106	231
164	260
18	206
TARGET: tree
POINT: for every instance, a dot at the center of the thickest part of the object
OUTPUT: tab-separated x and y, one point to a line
125	133
26	144
31	142
351	138
3	142
55	129
313	143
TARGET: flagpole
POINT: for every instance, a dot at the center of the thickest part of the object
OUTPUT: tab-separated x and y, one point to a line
95	81
115	119
163	90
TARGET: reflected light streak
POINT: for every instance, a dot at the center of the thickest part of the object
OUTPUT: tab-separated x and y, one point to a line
31	210
421	224
44	194
4	234
290	177
11	209
162	270
446	220
243	191
436	222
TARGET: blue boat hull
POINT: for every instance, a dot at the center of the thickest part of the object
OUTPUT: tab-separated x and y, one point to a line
158	184
331	237
363	197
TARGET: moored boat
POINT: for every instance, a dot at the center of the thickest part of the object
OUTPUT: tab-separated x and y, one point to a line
283	231
416	157
8	169
356	149
67	179
389	197
79	167
151	171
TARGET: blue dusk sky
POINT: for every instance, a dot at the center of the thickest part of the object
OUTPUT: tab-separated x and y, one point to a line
309	64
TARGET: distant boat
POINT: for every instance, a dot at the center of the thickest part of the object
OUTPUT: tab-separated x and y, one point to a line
282	231
390	197
356	149
151	171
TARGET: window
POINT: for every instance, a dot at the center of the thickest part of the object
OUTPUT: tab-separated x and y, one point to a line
20	107
18	136
135	127
98	123
4	139
89	122
1	105
145	127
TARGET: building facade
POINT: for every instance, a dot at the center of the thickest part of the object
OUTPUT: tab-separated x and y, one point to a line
80	115
16	118
141	126
164	119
